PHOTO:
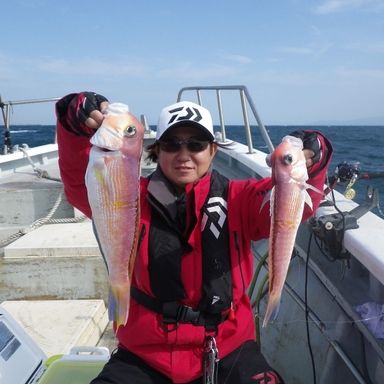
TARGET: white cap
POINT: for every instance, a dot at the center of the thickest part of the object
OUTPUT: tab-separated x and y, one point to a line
185	113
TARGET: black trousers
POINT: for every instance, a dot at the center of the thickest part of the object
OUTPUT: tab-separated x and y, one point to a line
244	365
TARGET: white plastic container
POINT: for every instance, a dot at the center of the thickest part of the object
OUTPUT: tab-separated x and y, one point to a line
23	362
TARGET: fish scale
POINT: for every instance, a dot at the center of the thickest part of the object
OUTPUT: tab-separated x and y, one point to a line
112	181
288	197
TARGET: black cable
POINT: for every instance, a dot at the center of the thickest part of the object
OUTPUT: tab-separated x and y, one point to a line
330	184
307	311
343	221
367	377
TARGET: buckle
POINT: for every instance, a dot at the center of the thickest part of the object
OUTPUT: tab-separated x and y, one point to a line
189	315
174	313
171	312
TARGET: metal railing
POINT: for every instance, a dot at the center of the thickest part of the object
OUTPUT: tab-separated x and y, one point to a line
6	108
245	100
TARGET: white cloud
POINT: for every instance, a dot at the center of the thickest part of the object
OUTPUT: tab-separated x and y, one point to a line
188	71
369	47
310	50
241	59
297	50
176	70
102	73
333	6
7	67
92	67
358	74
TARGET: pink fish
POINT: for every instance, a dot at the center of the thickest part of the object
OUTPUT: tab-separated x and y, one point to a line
288	196
112	181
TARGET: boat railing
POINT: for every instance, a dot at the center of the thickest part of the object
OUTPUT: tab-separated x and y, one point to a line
6	107
246	103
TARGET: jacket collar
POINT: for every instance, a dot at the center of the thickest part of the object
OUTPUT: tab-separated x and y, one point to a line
163	196
162	192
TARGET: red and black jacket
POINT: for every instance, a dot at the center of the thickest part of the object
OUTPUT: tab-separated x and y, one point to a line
177	351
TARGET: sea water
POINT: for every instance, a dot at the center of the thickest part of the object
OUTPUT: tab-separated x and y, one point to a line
362	146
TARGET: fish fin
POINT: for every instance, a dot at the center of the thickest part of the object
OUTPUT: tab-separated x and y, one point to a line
309	186
118	304
272	309
268	160
308	199
267	197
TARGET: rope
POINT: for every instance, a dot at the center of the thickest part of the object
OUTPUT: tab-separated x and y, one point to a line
48	218
40	222
41	173
44	220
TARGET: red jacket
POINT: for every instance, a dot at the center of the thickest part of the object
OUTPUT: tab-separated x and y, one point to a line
178	353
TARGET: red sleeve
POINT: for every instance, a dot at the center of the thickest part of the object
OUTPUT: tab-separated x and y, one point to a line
74	146
318	173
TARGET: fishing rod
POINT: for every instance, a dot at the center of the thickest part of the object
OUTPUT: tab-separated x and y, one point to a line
349	173
371	175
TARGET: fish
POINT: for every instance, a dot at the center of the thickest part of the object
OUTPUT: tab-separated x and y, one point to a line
287	199
113	181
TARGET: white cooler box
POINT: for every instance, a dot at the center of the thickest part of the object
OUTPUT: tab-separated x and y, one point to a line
23	362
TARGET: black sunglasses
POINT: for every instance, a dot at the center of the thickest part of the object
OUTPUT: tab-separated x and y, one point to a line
192	144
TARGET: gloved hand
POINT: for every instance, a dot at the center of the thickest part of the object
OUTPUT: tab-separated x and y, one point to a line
311	143
91	108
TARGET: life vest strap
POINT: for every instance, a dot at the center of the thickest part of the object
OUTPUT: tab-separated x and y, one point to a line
173	312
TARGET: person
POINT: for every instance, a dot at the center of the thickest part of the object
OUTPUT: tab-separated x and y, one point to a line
190	318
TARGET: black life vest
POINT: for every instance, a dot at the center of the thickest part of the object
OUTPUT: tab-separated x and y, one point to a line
167	246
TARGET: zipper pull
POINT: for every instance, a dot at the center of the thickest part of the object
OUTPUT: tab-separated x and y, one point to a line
210	361
231	313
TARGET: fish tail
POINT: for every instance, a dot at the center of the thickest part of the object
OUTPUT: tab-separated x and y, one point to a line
272	309
118	304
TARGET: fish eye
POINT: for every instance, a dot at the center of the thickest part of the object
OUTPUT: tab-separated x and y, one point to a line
287	159
130	130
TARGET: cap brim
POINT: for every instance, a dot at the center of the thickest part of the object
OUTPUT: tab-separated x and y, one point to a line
207	135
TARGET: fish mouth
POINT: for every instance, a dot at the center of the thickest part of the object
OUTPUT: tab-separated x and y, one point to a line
105	149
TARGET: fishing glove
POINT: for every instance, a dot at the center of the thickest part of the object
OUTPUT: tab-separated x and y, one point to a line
91	102
310	141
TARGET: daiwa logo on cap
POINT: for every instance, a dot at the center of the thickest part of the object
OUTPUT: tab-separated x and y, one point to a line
185	111
190	114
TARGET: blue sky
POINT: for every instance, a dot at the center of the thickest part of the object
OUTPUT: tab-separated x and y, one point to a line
303	61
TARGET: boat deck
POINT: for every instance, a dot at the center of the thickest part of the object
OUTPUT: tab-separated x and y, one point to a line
60	263
54	273
58	325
